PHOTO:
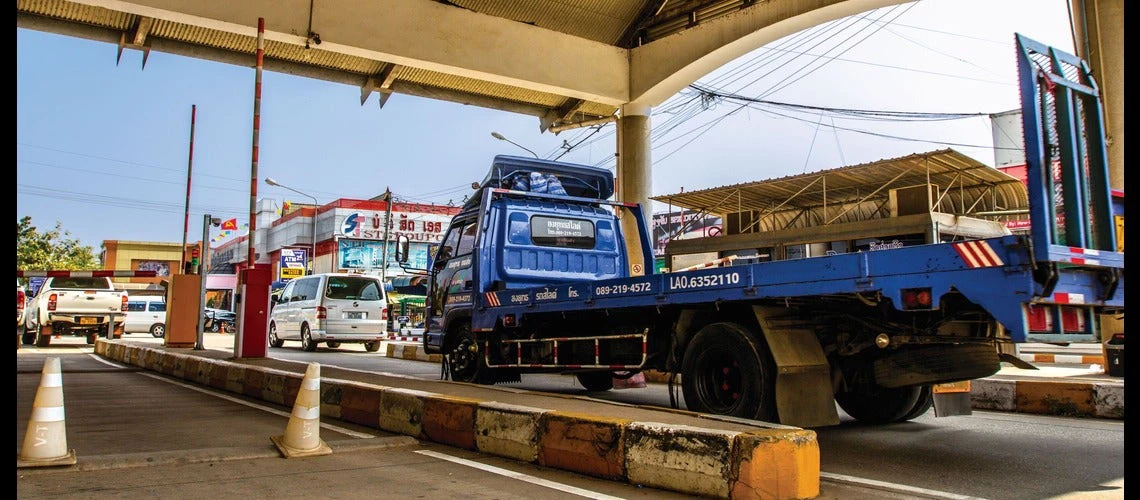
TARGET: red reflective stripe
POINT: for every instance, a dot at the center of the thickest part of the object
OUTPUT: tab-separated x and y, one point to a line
966	255
979	251
1061	298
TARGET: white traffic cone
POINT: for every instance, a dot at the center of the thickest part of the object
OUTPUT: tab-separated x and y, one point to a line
45	442
303	433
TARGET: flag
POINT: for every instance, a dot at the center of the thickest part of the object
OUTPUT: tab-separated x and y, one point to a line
286	206
230	224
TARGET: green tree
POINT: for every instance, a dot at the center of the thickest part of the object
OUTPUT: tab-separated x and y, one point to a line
51	250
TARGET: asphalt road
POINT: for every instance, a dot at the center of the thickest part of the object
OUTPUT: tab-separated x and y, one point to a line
176	438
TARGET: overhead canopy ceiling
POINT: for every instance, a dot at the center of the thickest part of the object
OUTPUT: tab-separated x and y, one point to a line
569	62
861	192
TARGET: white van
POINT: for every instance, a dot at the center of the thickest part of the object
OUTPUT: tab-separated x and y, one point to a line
332	308
146	314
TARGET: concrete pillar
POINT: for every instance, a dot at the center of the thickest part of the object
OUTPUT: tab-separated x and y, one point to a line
1099	26
634	178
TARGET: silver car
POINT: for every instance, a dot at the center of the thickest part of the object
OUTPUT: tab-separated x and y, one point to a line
332	308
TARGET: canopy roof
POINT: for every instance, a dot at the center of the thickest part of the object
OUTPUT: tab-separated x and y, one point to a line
860	192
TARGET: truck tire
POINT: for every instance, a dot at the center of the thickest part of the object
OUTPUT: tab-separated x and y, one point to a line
273	340
372	346
925	401
158	330
596	381
874	404
332	345
728	371
28	337
42	340
464	358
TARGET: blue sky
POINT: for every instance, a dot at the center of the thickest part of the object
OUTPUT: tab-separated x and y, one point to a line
103	148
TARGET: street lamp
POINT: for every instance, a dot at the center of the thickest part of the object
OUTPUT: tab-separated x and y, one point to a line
313	225
501	138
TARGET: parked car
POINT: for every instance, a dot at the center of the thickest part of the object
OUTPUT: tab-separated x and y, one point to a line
219	320
146	314
332	308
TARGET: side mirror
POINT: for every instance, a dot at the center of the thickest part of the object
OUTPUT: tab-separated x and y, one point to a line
402	244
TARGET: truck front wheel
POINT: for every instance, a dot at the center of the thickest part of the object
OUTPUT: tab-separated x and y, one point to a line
464	358
728	371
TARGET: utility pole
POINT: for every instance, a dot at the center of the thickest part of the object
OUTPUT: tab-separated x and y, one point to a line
387	225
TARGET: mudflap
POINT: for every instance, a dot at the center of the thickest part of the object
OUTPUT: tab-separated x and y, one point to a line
804	397
952	399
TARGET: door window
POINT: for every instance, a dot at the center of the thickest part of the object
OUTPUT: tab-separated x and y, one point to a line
156	306
450	243
467	239
134	306
287	293
306	289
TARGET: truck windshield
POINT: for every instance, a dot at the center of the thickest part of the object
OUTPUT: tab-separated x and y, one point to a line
80	283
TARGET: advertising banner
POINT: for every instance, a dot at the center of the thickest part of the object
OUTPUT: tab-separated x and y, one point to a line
682	224
293	263
368	256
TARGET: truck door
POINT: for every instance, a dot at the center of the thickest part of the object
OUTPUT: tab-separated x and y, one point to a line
451	284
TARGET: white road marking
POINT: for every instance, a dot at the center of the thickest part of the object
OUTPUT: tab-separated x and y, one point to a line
520	476
894	487
274	411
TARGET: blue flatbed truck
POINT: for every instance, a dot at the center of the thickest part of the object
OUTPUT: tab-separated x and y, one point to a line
537	274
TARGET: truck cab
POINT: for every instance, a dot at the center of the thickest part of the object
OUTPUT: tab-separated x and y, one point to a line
530	223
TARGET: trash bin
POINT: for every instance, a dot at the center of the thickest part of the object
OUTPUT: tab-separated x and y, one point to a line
1114	355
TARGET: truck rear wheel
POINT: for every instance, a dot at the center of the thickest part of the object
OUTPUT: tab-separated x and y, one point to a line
596	381
41	339
925	401
728	371
875	404
28	337
464	358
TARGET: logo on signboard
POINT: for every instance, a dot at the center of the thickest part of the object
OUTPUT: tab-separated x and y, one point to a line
351	224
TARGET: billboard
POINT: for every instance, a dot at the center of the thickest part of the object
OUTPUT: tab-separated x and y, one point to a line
292	264
368	256
682	224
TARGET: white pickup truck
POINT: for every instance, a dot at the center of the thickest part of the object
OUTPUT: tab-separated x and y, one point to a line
74	306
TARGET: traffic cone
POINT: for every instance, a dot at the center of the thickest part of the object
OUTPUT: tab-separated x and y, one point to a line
303	433
45	442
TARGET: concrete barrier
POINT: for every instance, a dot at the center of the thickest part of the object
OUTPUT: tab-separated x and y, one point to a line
507	430
777	463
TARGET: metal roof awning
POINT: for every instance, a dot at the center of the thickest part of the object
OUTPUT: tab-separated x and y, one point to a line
964	186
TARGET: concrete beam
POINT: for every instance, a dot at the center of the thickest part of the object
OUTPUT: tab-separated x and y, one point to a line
661	68
419	34
98	34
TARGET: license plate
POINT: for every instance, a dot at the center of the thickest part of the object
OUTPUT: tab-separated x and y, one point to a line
963	386
355	315
88	321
